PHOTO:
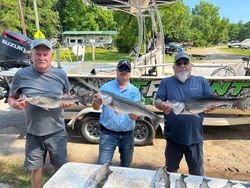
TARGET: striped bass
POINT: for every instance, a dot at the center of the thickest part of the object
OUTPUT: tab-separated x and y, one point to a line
161	179
99	177
49	102
125	106
199	104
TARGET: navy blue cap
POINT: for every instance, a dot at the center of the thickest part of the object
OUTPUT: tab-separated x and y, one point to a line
41	41
181	55
124	62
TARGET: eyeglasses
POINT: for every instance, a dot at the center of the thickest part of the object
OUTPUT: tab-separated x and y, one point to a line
180	63
124	69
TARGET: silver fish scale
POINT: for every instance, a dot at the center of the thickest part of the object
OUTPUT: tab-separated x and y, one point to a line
49	101
161	179
123	105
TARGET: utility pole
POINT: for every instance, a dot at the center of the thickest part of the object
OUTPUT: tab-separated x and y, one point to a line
36	16
21	17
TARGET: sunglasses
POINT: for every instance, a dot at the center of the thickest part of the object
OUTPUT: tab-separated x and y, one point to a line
124	69
178	64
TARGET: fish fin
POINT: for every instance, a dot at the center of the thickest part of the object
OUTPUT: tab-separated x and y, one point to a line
191	113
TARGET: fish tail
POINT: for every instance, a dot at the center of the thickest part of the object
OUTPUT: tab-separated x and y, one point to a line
157	120
86	98
108	163
240	104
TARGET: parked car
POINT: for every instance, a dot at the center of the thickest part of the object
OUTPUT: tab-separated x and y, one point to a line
234	44
245	44
173	47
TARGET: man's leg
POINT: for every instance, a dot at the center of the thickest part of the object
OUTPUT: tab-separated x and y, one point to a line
56	145
36	178
126	148
107	145
194	158
173	156
35	154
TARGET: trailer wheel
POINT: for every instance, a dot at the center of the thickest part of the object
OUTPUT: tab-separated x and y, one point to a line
144	133
90	129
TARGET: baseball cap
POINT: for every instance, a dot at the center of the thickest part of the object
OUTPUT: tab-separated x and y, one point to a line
124	63
180	55
41	41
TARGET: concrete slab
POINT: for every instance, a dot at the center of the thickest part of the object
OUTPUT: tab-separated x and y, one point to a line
76	175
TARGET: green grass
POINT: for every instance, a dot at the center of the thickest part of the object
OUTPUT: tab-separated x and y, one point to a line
12	172
101	55
237	51
113	56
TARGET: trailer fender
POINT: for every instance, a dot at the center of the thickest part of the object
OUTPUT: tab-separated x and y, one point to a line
81	114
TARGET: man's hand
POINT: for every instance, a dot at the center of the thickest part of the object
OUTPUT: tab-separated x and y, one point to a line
165	107
133	116
19	103
97	102
210	109
66	104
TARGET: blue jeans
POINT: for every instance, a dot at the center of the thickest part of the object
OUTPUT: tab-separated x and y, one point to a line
108	142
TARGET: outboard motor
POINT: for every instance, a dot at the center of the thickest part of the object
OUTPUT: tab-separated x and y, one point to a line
14	53
14	50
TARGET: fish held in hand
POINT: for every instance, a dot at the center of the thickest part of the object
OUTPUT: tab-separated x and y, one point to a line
99	177
199	104
123	105
49	102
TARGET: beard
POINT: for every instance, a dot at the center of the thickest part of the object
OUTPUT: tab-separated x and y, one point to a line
183	76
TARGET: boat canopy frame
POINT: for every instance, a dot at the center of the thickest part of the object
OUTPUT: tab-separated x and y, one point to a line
141	9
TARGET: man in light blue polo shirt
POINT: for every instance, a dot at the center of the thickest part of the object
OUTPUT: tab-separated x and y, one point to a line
184	133
117	129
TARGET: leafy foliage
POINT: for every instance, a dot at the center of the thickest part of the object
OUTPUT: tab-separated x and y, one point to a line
75	16
201	25
128	32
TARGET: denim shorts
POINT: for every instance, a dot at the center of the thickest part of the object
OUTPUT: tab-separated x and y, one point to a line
37	147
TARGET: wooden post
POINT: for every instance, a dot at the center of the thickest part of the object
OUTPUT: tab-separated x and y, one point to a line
93	52
21	17
58	60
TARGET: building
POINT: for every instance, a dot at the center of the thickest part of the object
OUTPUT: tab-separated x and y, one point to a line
100	39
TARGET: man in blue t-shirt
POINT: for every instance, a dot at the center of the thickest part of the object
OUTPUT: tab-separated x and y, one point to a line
184	133
117	129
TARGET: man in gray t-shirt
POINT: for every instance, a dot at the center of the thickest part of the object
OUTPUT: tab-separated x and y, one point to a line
46	129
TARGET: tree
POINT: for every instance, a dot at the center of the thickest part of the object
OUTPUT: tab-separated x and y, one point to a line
233	32
9	17
48	17
76	16
128	31
206	20
244	30
176	21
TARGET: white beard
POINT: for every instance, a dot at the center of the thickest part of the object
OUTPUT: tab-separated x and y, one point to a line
183	76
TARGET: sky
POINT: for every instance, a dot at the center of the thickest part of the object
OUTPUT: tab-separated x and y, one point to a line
234	10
